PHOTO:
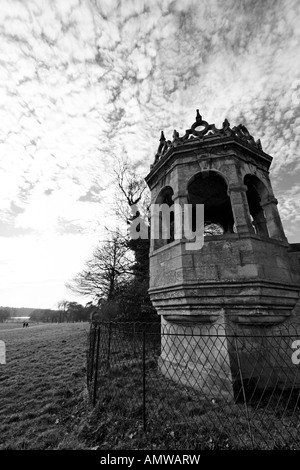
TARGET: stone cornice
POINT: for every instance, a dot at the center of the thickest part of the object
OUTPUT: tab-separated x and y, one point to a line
183	150
257	283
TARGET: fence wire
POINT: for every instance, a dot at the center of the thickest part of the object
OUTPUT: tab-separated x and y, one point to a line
243	389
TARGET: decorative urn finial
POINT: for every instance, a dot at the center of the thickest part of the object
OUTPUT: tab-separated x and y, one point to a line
198	116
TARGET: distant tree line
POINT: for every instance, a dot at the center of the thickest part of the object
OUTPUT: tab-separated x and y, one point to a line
5	313
66	312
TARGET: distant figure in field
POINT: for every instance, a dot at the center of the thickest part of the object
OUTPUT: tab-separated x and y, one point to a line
25	324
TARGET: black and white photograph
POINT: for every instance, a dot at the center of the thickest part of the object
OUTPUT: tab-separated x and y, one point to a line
149	230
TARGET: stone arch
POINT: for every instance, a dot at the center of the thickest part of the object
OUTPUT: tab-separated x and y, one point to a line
165	221
210	187
257	193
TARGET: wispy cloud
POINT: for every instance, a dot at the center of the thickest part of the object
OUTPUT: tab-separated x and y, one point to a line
83	82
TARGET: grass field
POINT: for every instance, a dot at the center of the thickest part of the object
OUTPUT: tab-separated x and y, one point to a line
44	401
42	385
13	325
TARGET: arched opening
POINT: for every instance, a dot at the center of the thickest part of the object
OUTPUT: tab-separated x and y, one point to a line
256	193
164	218
210	188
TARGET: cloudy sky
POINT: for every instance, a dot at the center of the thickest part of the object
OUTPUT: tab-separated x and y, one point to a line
83	82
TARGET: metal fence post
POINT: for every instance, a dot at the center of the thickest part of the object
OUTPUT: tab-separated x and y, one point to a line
108	347
144	381
134	346
243	390
92	351
96	366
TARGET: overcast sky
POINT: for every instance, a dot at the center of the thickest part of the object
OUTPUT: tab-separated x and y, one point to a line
85	82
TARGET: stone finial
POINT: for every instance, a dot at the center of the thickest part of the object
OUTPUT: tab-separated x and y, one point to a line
226	124
258	144
198	116
162	137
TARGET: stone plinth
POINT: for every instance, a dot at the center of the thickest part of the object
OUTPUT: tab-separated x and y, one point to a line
197	355
216	357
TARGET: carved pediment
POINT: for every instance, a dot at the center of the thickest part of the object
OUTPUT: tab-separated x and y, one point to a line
201	130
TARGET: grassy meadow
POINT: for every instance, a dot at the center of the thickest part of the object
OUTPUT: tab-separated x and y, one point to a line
42	385
44	402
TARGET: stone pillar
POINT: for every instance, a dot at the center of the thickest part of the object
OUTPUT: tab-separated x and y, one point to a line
180	198
240	209
273	220
260	224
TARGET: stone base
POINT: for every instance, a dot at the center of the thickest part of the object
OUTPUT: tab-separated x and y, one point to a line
203	379
216	358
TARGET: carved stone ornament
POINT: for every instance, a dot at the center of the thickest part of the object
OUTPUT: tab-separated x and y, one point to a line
201	131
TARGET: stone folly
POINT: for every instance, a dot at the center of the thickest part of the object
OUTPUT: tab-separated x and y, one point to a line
246	277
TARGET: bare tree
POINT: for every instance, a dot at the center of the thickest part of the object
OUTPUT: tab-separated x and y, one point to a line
119	265
132	193
133	206
108	268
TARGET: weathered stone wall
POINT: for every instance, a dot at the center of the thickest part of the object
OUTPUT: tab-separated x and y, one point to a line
294	255
247	276
216	357
197	356
265	354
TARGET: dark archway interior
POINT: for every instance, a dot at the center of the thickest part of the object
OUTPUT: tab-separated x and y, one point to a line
255	192
210	189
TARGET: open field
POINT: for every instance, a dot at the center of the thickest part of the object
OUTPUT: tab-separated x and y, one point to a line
42	385
44	401
13	325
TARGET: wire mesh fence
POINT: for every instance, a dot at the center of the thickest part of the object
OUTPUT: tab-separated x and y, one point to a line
240	388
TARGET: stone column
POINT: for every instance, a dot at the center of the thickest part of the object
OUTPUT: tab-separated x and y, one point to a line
240	208
180	198
273	220
260	224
